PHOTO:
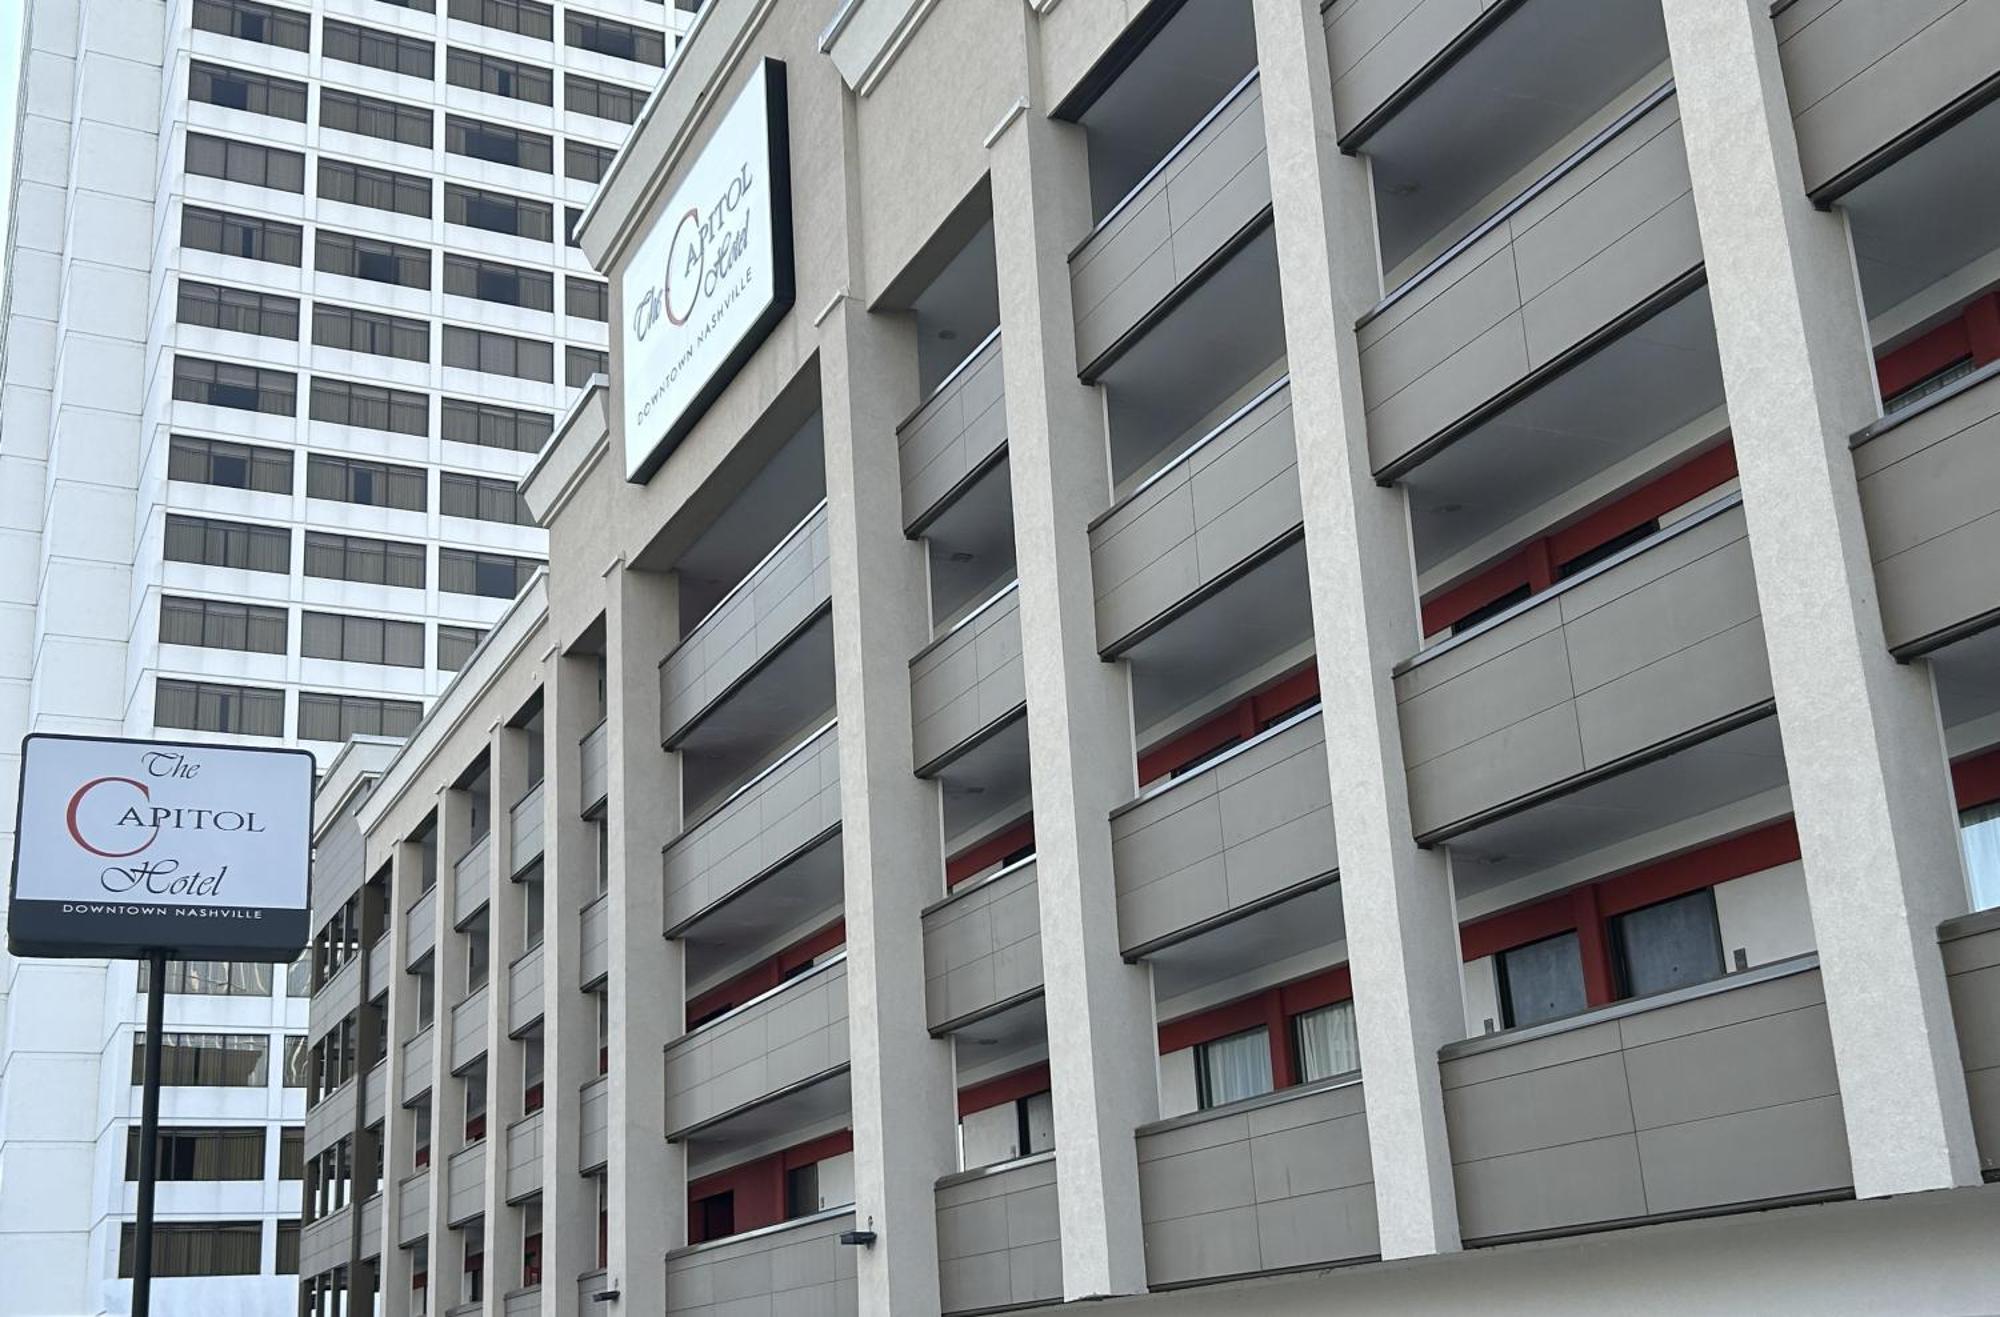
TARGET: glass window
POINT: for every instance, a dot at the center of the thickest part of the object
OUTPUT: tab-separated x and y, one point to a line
527	17
197	1248
249	21
245	162
237	309
493	575
205	1060
1936	382
1541	981
201	1153
1979	838
240	235
1669	945
353	330
213	978
343	402
495	281
361	639
206	706
357	558
498	354
481	499
1231	1069
499	144
499	77
236	89
241	388
347	112
292	1153
372	484
230	465
354	44
606	36
581	363
298	1060
287	1261
1327	1045
379	189
217	624
370	258
601	100
478	423
587	299
339	717
496	212
802	1190
228	544
1038	1123
586	162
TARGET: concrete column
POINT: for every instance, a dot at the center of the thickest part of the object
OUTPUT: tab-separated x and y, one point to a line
891	849
1103	1058
454	834
398	1125
646	1177
1402	931
507	755
1863	746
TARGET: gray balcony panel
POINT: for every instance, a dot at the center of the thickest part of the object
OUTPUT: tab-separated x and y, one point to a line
771	820
1374	47
1927	482
1209	192
982	947
331	1118
1598	242
1706	1099
774	1043
1239	832
420	928
468	1031
594	938
371	1226
999	1241
1656	645
413	1216
1274	1183
1971	946
325	1243
959	431
798	1267
1198	520
338	999
594	1136
375	1094
524	991
381	965
781	594
524	822
522	1303
417	1076
471	880
967	681
465	1185
524	1157
588	1286
594	772
1861	73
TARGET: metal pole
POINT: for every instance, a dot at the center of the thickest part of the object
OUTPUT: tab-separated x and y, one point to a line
149	1136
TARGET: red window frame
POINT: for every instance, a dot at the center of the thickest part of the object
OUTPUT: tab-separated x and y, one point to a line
759	1186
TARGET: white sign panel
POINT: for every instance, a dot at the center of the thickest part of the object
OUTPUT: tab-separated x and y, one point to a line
129	846
712	276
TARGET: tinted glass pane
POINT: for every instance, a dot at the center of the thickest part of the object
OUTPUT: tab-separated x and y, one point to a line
1669	945
1542	981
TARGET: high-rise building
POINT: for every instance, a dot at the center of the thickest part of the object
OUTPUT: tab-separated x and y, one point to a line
1241	656
291	306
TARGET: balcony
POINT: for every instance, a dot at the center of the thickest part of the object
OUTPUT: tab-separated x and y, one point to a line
381	965
1971	946
465	1192
1927	474
999	1239
523	1165
594	1133
331	1117
1707	1099
371	1226
1273	1183
1200	204
1862	74
593	768
954	437
795	1267
967	682
1600	242
375	1094
524	991
420	929
983	948
417	1064
779	827
594	942
470	879
524	830
773	1046
413	1209
1242	832
325	1243
468	1031
522	1302
1653	650
340	995
1221	506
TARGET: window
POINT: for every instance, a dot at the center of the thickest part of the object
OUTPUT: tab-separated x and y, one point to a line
603	1031
206	706
206	1060
213	978
370	331
237	309
527	17
194	1152
421	6
374	484
801	1190
531	1242
371	562
498	354
379	189
718	1215
495	281
1611	548
586	299
390	121
298	976
361	639
216	624
240	235
1231	1069
1541	981
1979	840
373	259
531	1070
196	1248
244	388
586	162
572	217
292	1153
1326	1043
342	402
472	1280
1492	608
531	907
455	645
229	465
249	21
228	544
601	100
420	1138
475	1097
605	36
339	717
468	422
1935	382
245	162
287	1261
499	144
492	575
499	77
393	51
579	364
236	89
1668	945
482	499
496	212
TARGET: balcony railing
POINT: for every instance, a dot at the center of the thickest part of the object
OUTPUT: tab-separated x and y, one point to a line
465	1185
594	942
523	1165
468	1030
594	782
471	876
420	928
594	1130
797	1266
983	947
968	681
1971	947
524	991
955	436
524	824
780	1041
413	1208
999	1236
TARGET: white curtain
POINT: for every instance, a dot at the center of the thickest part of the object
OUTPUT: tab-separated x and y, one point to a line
1979	834
1327	1045
1235	1068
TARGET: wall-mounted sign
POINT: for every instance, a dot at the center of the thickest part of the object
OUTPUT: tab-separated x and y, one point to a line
711	277
124	847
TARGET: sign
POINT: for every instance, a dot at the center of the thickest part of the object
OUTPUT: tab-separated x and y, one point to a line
712	276
124	847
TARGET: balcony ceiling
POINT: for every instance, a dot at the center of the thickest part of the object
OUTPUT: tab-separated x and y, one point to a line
1018	1029
986	780
776	499
1929	215
971	545
807	1110
804	893
1968	682
769	713
1307	923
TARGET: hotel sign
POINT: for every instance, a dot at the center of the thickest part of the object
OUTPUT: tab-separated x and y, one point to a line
124	847
711	277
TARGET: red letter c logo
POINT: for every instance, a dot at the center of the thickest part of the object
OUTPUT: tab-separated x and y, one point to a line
76	801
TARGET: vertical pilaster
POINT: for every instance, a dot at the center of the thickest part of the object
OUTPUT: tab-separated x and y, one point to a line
1402	934
1863	748
398	1125
1103	1060
508	757
454	833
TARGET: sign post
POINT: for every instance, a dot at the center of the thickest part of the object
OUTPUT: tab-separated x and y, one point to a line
146	850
